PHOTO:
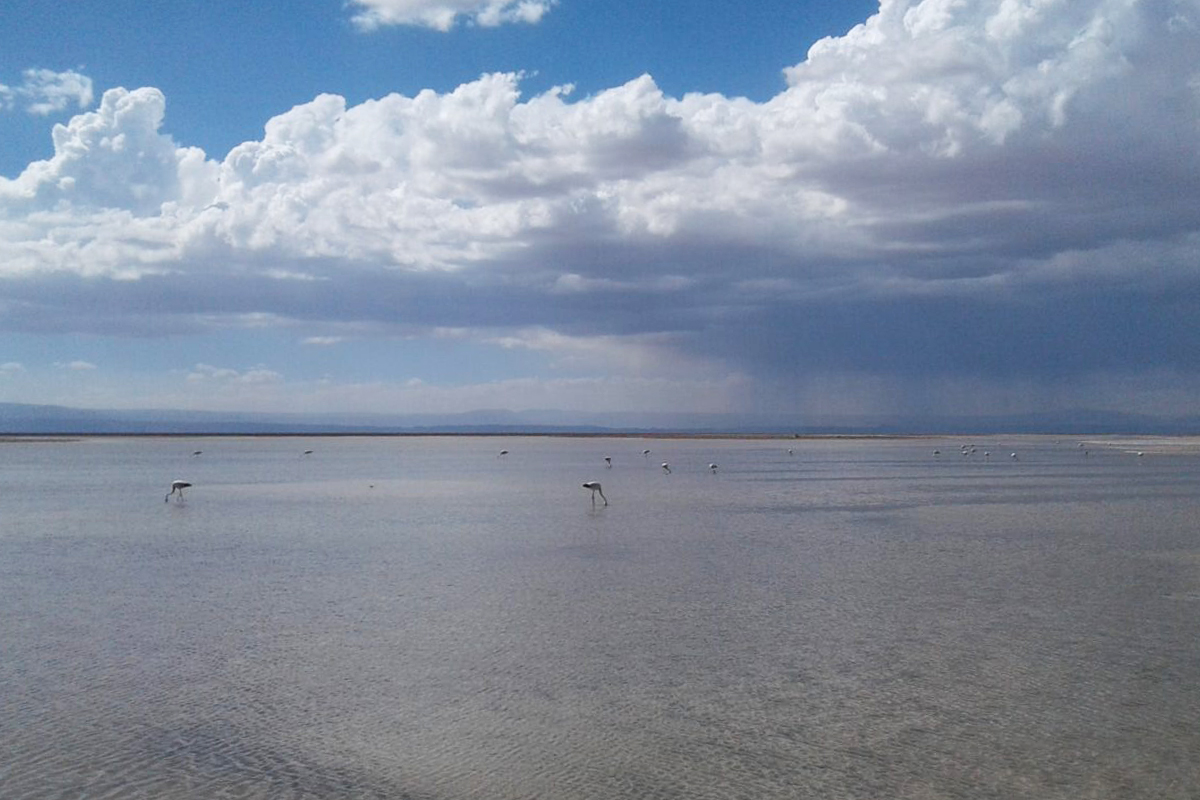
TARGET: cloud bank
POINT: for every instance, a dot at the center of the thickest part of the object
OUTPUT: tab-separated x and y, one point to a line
960	204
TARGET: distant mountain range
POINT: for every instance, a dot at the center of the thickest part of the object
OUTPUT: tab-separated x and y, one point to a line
23	419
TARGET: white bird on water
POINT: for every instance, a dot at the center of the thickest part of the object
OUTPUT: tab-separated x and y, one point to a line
595	487
713	467
176	486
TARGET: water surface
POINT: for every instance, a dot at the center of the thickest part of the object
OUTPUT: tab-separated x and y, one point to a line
426	618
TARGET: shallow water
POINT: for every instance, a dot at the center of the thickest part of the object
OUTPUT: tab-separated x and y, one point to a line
424	618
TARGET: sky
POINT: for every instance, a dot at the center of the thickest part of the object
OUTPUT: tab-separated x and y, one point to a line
804	210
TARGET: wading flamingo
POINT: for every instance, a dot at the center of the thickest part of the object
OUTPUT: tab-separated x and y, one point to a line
595	487
176	486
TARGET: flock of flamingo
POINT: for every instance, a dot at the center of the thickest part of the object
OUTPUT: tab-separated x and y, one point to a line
596	489
177	486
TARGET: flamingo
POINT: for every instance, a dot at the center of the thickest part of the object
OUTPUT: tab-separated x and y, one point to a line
713	467
595	487
666	468
608	462
645	453
197	452
176	486
503	453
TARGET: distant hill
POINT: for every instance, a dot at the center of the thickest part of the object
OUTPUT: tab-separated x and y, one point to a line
17	419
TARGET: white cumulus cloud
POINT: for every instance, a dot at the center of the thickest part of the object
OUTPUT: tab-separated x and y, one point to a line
112	159
44	91
443	15
206	372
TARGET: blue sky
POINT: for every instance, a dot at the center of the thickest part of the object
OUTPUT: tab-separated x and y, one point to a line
807	209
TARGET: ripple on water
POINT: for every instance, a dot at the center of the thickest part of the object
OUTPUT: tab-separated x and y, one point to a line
215	760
